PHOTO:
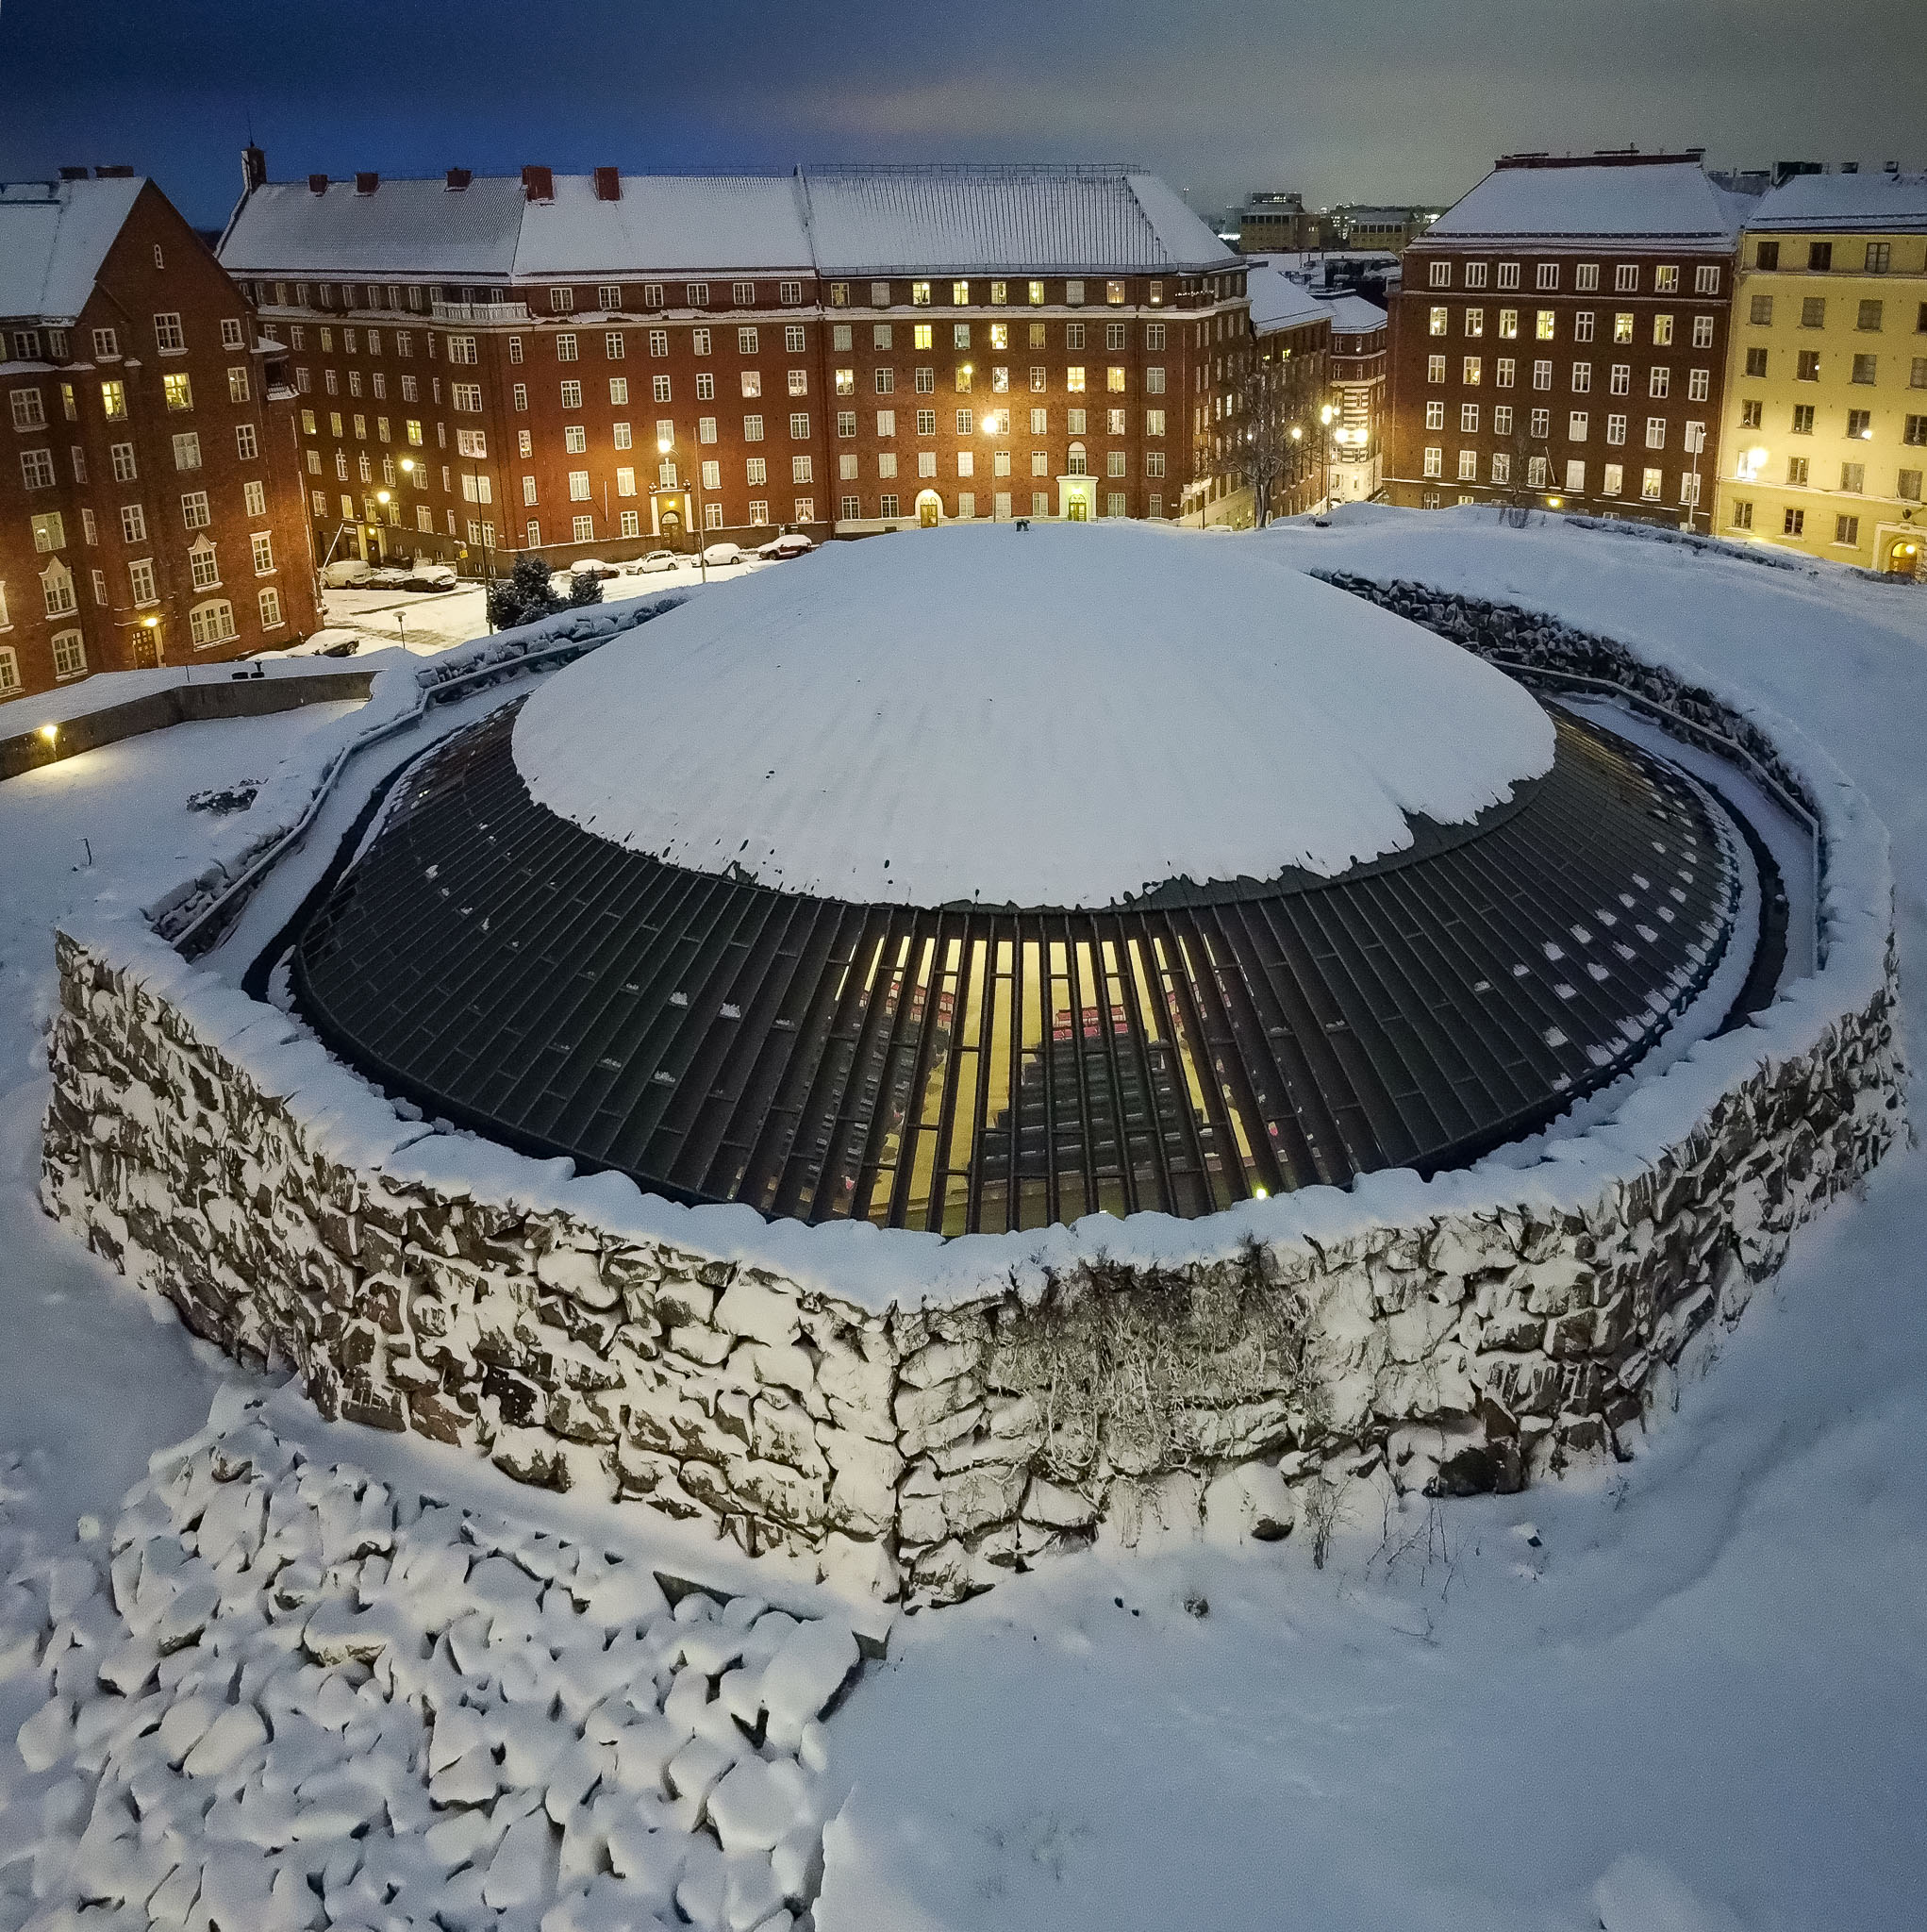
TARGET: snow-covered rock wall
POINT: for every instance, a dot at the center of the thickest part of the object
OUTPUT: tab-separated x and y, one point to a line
1006	1396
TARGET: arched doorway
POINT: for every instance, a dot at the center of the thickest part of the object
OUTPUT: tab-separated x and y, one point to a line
672	528
929	508
1903	559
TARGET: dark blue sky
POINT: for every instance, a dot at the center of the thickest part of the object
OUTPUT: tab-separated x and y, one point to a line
1377	99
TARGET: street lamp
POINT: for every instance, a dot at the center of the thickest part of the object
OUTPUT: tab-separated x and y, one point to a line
1324	416
663	447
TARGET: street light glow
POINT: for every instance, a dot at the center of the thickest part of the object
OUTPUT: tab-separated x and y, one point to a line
50	732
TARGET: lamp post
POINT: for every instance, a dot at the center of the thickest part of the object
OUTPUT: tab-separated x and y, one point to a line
663	447
1324	416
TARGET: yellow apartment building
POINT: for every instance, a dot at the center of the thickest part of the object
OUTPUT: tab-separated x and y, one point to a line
1824	425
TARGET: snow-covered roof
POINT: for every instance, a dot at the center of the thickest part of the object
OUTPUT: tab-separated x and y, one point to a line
1056	717
1353	315
943	220
670	222
1279	300
403	227
841	221
1875	202
1604	200
54	237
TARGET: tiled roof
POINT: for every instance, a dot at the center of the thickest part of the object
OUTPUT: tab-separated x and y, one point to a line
54	237
841	221
666	223
1878	202
403	227
1669	200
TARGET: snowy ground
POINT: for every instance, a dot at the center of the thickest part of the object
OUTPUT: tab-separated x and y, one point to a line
432	622
1687	1695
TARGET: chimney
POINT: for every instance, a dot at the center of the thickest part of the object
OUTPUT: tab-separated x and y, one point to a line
608	184
460	178
367	183
73	173
538	184
317	184
253	169
118	171
1850	167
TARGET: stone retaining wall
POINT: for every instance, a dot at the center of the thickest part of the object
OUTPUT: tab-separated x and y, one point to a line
925	1450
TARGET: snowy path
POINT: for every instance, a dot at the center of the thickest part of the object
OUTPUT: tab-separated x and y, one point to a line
1696	1701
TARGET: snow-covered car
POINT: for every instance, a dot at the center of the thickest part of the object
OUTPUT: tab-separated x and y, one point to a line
388	578
720	554
592	566
656	559
790	543
346	574
431	577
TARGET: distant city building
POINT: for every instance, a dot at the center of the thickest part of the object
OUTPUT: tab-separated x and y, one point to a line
148	515
1285	436
1269	223
1561	337
1361	341
1381	228
1825	416
607	363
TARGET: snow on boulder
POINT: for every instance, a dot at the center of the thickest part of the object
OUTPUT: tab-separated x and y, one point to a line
237	1731
758	1804
1248	1501
1053	717
804	1677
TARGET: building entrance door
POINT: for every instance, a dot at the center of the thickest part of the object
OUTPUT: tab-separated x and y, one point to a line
1903	557
672	528
929	509
147	647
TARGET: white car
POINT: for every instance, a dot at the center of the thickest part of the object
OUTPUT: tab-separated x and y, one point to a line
656	559
791	543
592	566
346	574
719	554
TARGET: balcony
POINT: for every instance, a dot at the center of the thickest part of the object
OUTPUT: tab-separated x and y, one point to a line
481	313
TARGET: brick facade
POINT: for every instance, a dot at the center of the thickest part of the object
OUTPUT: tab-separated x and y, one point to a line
835	401
147	504
1580	372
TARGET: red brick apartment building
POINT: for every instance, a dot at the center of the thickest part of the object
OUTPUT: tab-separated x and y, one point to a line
1561	337
148	512
605	363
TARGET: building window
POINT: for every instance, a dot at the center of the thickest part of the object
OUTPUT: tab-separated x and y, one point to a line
1913	430
1864	368
202	566
1813	312
1793	523
1854	479
1537	473
1582	378
1434	415
1504	372
167	334
1542	373
1576	425
211	623
194	511
1434	369
1806	366
70	655
1907	490
1434	463
1796	472
1468	466
1756	362
1468	419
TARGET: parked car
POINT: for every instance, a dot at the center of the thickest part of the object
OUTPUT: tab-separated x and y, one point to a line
388	578
590	567
656	559
719	554
346	574
791	543
431	577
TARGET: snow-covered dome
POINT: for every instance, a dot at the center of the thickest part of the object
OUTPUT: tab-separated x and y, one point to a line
1060	716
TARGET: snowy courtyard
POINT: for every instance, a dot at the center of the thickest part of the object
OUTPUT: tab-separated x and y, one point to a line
258	1669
